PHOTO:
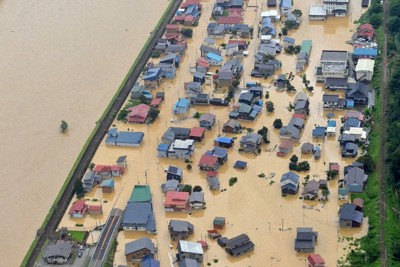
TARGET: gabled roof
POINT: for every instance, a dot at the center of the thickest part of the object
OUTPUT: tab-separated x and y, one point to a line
197	132
63	249
318	131
208	160
286	144
176	198
229	20
152	74
208	117
180	226
140	193
142	243
196	197
355	176
292	177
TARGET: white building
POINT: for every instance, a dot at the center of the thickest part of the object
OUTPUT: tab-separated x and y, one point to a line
317	12
273	14
337	8
334	64
358	132
365	69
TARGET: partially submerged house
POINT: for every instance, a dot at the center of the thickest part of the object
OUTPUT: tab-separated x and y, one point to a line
307	148
365	69
152	78
209	163
78	209
207	120
289	132
58	253
289	183
334	64
239	245
285	148
310	190
355	180
315	260
305	239
190	250
136	250
139	216
180	229
349	216
176	201
197	133
231	126
250	142
174	173
173	133
181	106
124	138
196	200
138	114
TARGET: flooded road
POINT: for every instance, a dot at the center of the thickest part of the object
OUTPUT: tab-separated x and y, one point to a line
253	205
61	60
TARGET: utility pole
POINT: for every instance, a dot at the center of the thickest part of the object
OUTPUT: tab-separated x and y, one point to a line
145	175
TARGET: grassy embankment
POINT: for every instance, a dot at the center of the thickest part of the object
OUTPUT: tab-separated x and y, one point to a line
67	180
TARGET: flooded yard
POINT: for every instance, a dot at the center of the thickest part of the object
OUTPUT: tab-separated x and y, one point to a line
253	205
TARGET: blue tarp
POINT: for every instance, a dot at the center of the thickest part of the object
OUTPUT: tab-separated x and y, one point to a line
240	164
225	140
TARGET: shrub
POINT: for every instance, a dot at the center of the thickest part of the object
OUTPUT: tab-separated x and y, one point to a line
270	106
277	124
197	188
303	166
189	166
235	83
153	114
187	32
232	181
294	159
155	54
292	166
267	95
187	188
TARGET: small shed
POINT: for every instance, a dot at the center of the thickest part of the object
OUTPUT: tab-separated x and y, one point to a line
107	186
224	142
307	148
95	209
240	165
219	222
121	161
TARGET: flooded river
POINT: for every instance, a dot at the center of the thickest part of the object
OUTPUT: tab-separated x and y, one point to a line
60	60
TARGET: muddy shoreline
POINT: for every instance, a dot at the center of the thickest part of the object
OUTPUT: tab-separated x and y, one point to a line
109	116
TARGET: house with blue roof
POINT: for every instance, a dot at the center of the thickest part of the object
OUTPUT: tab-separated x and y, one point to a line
223	141
213	59
171	59
162	150
289	183
181	106
126	139
267	27
107	186
319	132
148	261
152	78
192	10
361	52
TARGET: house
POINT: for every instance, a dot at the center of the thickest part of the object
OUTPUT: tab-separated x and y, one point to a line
218	152
289	183
178	49
160	95
230	49
317	12
285	148
350	150
125	139
207	120
136	250
351	122
355	180
307	148
285	6
358	133
231	126
272	14
319	132
192	88
200	99
315	260
95	210
173	133
350	217
140	193
366	31
292	20
271	3
288	41
219	223
202	65
225	78
343	193
250	142
155	103
162	45
204	50
365	69
197	133
152	78
209	42
242	45
196	200
187	262
289	132
199	77
138	114
297	122
190	250
168	70
172	29
216	31
330	101
148	261
333	166
331	128
182	106
181	149
281	81
246	98
107	186
57	253
104	171
310	190
245	112
353	114
170	185
180	229
174	173
336	84
262	70
176	201
337	8
239	245
137	91
213	181
209	163
302	107
333	63
359	202
305	239
171	59
229	21
364	53
89	180
139	216
78	209
213	59
304	55
257	91
224	142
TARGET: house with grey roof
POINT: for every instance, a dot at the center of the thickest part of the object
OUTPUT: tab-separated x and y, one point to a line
192	88
289	183
239	245
307	148
332	83
173	133
302	107
297	122
136	250
349	150
207	120
213	183
263	70
180	229
310	190
188	262
250	142
305	239
139	216
170	186
231	126
355	180
90	180
225	78
207	49
289	132
246	98
333	64
174	173
349	216
57	253
196	200
190	250
358	92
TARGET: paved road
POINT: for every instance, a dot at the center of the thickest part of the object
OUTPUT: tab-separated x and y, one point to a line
106	238
383	125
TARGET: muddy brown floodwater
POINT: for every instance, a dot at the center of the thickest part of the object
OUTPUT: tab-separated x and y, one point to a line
253	205
60	60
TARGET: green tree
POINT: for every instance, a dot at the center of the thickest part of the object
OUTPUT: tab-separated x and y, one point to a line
91	166
297	12
369	164
197	188
331	174
289	24
277	124
78	188
187	188
153	114
187	32
284	31
394	24
266	95
375	20
325	193
155	54
294	159
292	166
189	167
64	126
270	106
235	83
303	166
